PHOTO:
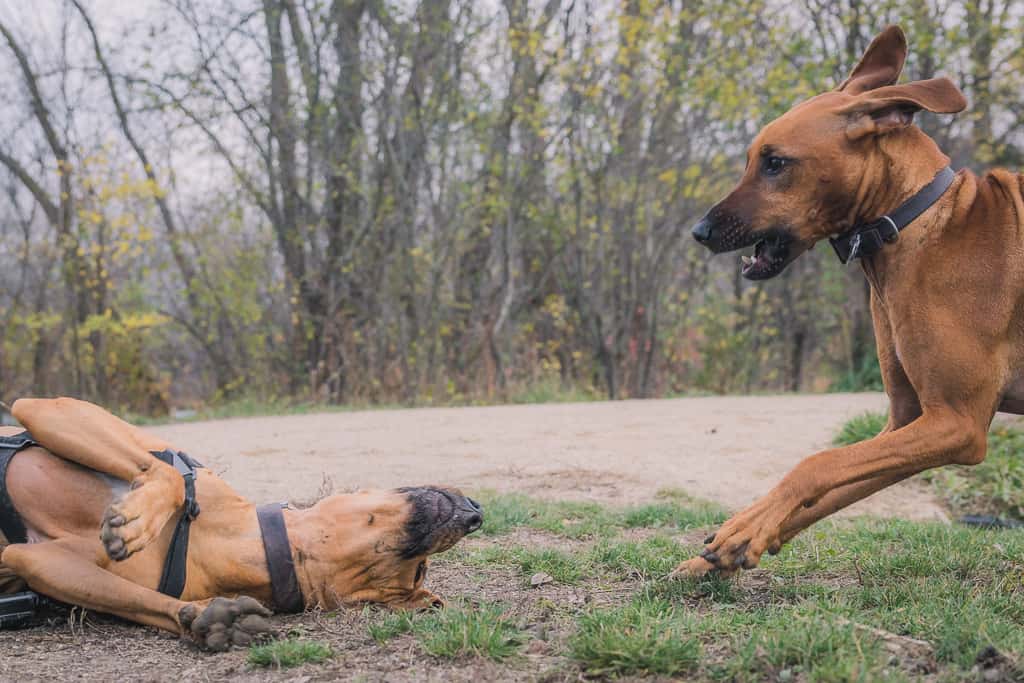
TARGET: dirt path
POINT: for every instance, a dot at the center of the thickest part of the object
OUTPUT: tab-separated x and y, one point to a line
726	449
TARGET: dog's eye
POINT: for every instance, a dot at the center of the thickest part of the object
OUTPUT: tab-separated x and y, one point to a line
773	165
421	572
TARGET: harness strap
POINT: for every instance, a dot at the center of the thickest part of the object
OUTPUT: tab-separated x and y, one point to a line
10	521
865	239
172	580
284	584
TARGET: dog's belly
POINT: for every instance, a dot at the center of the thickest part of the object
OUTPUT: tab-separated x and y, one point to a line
1013	397
56	497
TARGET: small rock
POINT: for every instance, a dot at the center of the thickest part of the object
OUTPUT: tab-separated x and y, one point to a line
537	647
540	578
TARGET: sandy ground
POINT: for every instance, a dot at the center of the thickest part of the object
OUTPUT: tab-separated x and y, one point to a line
725	449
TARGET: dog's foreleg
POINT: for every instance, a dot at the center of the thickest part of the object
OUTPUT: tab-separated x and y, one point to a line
62	570
834	501
90	436
837	477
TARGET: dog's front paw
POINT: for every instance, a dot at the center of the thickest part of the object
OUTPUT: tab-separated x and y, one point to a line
225	622
131	523
741	541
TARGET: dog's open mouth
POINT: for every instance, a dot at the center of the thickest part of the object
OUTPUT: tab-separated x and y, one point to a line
771	255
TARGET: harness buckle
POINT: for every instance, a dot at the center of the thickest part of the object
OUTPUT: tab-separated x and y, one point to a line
188	473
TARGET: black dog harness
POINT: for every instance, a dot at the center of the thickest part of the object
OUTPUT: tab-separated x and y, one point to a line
10	521
865	239
287	596
172	579
284	584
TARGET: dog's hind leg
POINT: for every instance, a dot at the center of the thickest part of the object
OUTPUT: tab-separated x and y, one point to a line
62	569
90	436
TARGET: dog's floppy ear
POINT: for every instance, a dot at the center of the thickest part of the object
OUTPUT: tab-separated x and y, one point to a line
881	64
892	107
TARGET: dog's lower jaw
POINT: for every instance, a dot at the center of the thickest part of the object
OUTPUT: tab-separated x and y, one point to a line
771	258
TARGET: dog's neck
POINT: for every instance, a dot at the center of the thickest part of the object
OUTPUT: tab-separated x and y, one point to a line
889	179
302	534
315	564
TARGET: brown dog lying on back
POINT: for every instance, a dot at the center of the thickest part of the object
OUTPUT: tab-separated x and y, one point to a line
101	518
942	252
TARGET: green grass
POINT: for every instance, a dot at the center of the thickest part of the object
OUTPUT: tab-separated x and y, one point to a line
582	520
650	558
457	631
482	630
643	637
809	617
553	391
861	428
391	624
815	643
866	377
994	487
502	513
563	567
673	515
291	652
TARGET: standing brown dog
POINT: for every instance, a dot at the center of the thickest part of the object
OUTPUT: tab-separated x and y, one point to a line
947	291
96	509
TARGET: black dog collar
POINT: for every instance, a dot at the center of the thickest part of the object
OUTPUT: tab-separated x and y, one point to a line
284	584
867	238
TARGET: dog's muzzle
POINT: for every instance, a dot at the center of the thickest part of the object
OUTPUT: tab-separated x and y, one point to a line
439	519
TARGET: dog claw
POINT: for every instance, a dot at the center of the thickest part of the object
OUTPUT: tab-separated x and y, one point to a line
710	556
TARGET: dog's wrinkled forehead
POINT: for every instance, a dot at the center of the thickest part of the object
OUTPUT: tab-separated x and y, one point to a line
800	128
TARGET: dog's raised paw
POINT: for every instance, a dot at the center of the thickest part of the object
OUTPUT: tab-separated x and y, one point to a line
226	623
133	521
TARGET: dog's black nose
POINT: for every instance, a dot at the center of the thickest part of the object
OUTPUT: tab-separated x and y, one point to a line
475	518
702	231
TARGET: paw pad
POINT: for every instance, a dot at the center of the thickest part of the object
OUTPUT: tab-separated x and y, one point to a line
226	623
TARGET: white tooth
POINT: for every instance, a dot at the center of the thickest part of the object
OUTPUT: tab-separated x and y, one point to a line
747	260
